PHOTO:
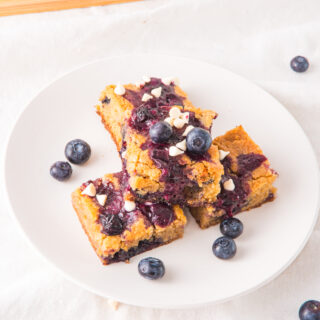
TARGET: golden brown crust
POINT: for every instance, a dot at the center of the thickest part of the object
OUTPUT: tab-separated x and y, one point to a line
238	142
207	216
83	211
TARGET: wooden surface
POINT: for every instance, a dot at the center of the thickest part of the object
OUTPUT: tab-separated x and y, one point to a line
11	7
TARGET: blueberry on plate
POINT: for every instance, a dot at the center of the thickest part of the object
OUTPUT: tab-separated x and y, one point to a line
77	151
310	310
61	170
198	141
151	268
160	132
111	224
224	248
299	64
231	227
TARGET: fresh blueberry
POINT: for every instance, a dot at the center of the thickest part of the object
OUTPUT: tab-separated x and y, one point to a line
77	151
198	140
310	310
160	132
224	248
151	268
299	64
231	227
61	170
111	224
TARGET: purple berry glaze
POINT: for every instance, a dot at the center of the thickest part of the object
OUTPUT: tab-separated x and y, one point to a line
146	114
233	201
159	214
173	174
114	219
249	162
154	108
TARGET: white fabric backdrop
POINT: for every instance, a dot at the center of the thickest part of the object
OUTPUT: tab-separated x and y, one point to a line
256	39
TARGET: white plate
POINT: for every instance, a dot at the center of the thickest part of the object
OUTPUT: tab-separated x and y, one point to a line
273	234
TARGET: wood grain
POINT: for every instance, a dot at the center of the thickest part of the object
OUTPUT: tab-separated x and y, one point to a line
11	7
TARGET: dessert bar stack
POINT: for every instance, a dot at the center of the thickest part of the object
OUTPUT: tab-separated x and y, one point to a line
170	162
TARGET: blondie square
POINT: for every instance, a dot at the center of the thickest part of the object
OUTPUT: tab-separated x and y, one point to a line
161	172
119	228
247	181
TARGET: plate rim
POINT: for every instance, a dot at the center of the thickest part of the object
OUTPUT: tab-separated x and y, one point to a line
155	305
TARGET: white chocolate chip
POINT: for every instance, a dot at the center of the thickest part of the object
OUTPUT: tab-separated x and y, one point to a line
113	304
188	129
229	185
168	80
123	154
174	151
223	154
146	79
174	112
185	116
156	92
140	84
179	123
90	190
101	198
146	97
129	205
182	145
119	90
169	120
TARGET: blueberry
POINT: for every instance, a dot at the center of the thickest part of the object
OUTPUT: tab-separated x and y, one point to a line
198	140
231	227
310	310
160	132
111	224
61	170
151	268
299	64
224	248
77	151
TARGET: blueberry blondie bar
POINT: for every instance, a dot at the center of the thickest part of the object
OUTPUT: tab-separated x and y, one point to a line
246	182
117	226
162	170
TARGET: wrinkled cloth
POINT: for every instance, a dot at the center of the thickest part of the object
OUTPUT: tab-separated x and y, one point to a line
255	39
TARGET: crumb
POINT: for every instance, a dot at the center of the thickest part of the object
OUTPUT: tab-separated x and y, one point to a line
114	304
